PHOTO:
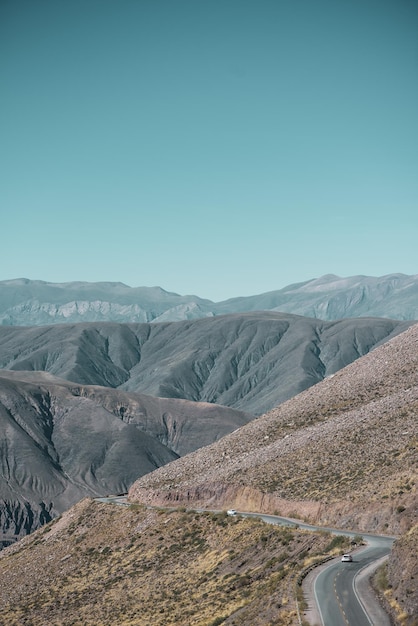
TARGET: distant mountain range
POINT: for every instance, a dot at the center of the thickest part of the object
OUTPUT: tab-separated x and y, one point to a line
74	415
34	302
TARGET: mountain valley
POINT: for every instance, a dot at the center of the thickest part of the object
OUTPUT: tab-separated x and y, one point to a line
343	452
257	410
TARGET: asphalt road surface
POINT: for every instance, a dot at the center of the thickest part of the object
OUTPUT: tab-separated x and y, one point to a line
121	500
336	589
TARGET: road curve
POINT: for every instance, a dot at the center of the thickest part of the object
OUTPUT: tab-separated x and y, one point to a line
338	596
340	599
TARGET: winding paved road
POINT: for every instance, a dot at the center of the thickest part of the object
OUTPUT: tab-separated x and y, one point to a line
340	598
338	595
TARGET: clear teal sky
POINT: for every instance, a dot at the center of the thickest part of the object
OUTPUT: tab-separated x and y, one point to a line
215	147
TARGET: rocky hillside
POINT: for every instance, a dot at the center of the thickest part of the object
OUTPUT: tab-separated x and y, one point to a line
129	566
61	441
35	302
343	452
251	361
402	575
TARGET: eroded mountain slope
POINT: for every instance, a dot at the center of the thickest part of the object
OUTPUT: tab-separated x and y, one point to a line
250	362
341	452
61	441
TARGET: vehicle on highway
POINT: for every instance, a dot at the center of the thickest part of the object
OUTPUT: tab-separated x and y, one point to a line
346	558
231	512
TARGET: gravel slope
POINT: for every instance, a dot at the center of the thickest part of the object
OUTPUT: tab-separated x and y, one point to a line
350	439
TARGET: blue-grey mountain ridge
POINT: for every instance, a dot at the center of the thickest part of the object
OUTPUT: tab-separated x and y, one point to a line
35	302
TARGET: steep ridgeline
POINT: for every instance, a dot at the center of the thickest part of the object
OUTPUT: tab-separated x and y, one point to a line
343	452
35	302
61	441
251	361
332	297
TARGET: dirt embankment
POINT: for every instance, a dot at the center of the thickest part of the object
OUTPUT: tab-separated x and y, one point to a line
371	517
221	496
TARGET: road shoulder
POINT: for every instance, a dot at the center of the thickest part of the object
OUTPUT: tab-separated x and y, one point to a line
363	589
367	595
311	613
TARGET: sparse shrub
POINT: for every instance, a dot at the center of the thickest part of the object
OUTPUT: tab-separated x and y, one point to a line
218	620
336	542
381	577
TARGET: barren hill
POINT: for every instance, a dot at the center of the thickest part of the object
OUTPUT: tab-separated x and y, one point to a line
62	441
250	361
341	452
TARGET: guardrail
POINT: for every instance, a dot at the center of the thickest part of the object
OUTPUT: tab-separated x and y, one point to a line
301	577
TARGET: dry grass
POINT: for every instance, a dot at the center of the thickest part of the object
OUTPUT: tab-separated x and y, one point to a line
402	577
104	564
